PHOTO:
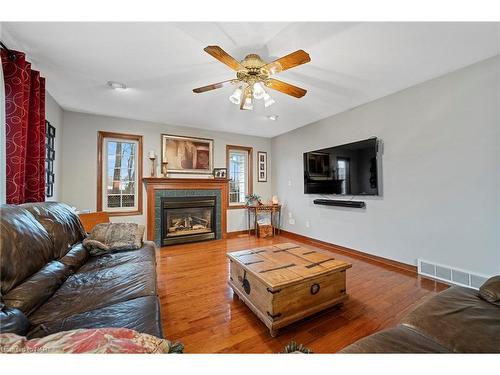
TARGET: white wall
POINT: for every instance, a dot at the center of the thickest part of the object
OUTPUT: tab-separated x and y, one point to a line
54	114
80	157
441	173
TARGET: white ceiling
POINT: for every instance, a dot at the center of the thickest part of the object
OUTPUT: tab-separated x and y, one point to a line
351	64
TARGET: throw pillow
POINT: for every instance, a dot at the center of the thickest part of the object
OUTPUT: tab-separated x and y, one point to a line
490	290
109	237
102	340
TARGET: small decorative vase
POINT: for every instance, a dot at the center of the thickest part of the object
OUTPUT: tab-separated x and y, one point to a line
275	199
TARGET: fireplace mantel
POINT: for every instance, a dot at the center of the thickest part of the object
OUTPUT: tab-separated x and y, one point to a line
172	180
154	184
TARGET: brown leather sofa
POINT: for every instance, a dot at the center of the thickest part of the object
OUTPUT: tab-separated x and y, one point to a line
457	320
49	283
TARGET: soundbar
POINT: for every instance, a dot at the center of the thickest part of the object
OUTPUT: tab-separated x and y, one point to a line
340	203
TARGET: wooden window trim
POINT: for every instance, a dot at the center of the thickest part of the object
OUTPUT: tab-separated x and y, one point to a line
250	171
100	142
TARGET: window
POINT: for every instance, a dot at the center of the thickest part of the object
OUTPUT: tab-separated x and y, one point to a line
119	189
239	167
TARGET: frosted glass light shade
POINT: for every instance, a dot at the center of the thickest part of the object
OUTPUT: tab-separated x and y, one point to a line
268	101
235	98
248	103
258	91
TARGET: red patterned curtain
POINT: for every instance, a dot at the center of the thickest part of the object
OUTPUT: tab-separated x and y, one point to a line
24	129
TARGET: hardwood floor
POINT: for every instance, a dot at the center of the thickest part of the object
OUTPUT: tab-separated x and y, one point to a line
198	307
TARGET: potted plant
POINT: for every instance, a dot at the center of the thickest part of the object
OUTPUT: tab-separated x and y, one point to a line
252	199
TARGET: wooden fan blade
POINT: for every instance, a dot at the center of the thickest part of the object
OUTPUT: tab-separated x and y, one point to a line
223	57
285	88
286	62
214	86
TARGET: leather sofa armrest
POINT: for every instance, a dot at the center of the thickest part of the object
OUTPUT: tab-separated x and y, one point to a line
490	290
13	320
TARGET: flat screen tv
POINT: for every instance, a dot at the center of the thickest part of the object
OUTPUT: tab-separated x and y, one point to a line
349	169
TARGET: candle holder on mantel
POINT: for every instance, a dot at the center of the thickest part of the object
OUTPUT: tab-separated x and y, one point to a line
164	167
152	157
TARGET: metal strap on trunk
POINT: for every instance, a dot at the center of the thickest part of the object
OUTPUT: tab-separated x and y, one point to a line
318	263
278	268
255	261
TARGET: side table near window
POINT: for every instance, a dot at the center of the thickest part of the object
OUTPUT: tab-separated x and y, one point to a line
273	209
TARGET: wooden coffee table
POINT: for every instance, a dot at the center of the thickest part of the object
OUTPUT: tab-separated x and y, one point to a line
283	283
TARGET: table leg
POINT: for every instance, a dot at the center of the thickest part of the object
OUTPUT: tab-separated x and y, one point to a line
255	223
279	221
272	223
248	223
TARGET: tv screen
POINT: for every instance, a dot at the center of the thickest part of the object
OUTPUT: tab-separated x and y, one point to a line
349	169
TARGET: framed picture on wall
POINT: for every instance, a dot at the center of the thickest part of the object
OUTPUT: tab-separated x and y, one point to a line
220	173
180	154
50	155
262	166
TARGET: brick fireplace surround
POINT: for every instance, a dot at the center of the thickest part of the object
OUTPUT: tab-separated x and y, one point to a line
158	187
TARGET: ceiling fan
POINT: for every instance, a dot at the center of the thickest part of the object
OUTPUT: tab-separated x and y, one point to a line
253	76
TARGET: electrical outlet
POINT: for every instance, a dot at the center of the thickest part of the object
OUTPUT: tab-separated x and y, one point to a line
289	183
308	224
290	215
291	221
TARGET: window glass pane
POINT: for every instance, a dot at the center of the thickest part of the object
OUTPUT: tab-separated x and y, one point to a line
238	172
127	174
114	201
114	187
120	173
129	187
128	200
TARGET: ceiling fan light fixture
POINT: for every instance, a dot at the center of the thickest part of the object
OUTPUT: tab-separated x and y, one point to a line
258	91
268	101
248	105
253	77
235	98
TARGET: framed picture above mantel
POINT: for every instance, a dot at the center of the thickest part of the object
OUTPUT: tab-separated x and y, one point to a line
182	154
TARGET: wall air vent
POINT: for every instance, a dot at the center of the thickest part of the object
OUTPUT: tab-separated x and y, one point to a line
450	275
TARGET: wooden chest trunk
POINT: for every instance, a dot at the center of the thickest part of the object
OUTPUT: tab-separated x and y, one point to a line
284	283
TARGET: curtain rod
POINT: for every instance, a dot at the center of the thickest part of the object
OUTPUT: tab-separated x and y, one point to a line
11	53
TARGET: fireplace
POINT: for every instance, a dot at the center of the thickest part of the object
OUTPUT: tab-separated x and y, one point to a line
193	188
187	219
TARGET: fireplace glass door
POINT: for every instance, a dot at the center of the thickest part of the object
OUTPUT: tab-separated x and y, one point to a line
188	221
